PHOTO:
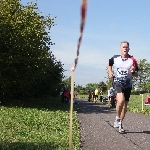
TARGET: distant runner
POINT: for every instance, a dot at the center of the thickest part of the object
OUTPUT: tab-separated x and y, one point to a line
95	95
112	97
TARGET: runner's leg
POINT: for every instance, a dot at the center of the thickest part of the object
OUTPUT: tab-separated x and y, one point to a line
124	110
120	103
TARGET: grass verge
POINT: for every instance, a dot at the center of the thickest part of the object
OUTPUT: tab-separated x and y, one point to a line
135	105
38	125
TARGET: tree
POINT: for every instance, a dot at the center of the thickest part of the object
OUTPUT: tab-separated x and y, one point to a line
78	88
102	86
91	86
26	61
67	82
143	74
146	87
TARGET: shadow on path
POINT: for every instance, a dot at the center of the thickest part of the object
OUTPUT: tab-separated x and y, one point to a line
90	107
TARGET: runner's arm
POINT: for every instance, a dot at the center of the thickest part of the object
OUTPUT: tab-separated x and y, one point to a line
110	72
134	68
135	74
109	67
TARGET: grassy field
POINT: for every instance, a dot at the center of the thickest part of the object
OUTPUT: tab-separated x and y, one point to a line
135	104
37	125
44	124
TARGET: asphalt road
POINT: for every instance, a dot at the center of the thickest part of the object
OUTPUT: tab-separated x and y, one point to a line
98	133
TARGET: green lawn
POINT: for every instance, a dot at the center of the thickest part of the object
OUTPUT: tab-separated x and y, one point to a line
37	125
44	125
135	104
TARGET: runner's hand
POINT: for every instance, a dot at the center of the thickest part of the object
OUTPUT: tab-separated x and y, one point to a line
111	75
132	69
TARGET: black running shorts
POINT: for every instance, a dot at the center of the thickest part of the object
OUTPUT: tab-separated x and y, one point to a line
126	91
96	96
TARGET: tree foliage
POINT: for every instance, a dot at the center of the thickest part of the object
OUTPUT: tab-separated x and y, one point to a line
79	87
91	86
67	82
102	86
146	87
143	74
27	66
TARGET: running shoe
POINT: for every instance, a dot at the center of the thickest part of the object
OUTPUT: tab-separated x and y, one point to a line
121	130
116	123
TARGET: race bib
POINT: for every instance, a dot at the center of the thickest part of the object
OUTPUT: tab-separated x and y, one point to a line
122	73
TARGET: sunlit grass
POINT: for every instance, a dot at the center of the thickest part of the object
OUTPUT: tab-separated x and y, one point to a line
135	104
41	128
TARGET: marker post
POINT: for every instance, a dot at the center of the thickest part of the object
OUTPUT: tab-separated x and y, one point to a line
71	106
142	102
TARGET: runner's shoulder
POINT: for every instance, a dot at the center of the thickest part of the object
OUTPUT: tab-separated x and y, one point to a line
115	56
134	60
132	57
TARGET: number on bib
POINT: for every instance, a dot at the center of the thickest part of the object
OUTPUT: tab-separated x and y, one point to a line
121	73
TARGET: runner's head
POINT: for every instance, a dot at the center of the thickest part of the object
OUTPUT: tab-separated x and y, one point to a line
124	47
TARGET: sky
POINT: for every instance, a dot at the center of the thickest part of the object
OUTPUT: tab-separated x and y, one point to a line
108	22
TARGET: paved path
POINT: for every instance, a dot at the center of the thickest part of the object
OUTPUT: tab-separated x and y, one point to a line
97	132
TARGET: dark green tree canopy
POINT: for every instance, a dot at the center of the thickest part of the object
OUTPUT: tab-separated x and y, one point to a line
26	61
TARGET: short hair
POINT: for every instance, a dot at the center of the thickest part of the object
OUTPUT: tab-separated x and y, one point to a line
125	42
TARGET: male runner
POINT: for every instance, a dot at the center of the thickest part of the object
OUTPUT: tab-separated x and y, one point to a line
121	68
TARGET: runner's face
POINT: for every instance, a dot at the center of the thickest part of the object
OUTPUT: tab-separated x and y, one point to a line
124	48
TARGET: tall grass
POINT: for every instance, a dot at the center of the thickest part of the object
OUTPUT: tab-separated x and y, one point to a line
37	125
